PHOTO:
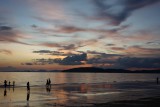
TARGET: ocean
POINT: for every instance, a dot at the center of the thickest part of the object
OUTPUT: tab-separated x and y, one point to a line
75	89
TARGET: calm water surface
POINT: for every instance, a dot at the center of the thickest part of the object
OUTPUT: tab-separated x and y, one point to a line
39	78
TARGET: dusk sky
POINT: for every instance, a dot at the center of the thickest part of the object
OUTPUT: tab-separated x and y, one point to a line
63	34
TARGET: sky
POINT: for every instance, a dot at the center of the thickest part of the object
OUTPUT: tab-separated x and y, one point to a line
64	34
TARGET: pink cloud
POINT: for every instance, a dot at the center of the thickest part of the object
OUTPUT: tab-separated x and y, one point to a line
5	51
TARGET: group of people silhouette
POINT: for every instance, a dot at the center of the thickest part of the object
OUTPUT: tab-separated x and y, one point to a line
48	87
8	85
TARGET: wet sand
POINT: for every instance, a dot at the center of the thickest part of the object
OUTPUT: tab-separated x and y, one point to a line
143	102
135	94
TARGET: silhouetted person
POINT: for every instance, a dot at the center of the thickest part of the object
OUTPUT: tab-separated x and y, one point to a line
28	86
13	85
28	95
5	92
9	83
5	83
47	83
28	91
157	80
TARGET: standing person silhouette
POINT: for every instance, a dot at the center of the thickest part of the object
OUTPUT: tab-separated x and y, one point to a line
5	83
49	81
9	83
13	85
157	80
28	86
28	91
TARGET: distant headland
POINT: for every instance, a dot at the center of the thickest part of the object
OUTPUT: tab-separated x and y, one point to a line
89	70
101	70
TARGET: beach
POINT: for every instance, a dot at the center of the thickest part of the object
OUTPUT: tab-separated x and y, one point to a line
122	94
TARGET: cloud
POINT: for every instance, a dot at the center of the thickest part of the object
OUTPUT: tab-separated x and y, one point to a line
8	34
70	29
34	26
134	62
138	51
119	61
102	58
95	52
51	44
62	46
118	48
118	11
74	29
27	63
48	11
2	28
69	47
156	42
124	62
8	68
7	52
110	44
76	59
57	53
43	51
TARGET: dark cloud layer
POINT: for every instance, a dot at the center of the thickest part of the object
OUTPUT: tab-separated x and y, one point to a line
63	46
76	59
5	28
106	11
57	53
43	51
133	62
8	68
100	59
141	51
121	61
126	62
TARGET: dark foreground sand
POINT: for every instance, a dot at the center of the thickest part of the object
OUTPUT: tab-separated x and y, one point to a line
143	102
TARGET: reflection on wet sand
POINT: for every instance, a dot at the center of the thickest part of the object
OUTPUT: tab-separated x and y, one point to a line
82	94
84	88
5	92
13	88
28	95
